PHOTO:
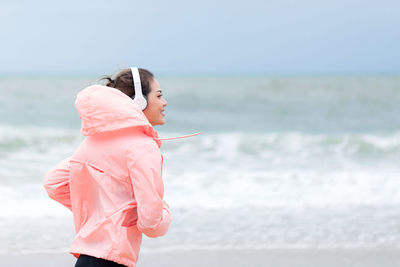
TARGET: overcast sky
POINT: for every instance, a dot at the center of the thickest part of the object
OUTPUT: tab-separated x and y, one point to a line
227	36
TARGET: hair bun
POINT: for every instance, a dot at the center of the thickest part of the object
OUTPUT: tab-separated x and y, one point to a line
110	82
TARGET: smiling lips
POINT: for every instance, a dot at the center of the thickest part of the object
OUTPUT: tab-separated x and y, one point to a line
162	112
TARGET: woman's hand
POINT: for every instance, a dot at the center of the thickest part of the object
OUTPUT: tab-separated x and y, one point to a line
165	203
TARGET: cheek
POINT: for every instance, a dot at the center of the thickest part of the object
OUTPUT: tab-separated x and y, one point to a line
154	106
153	109
150	111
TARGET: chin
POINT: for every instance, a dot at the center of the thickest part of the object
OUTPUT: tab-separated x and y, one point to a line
160	122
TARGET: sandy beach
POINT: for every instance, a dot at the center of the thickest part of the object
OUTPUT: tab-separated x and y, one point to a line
234	258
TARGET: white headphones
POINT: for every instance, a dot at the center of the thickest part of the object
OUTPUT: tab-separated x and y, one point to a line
138	98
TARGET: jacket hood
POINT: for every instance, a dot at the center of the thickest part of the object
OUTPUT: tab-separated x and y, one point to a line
105	109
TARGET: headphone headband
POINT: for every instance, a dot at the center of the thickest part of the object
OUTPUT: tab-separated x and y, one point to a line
138	98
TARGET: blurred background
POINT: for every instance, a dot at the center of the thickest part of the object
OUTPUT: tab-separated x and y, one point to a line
298	102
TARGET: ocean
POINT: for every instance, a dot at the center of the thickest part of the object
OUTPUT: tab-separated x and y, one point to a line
282	161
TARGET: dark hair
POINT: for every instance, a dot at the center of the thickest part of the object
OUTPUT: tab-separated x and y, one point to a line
123	81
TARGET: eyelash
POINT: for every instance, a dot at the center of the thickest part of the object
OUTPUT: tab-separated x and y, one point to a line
160	96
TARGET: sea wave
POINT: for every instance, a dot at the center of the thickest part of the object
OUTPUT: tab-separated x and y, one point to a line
14	138
229	169
224	145
291	144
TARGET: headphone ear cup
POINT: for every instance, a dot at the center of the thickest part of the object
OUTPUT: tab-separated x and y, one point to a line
145	102
141	102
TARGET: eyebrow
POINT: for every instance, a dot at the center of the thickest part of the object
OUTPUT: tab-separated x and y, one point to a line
159	91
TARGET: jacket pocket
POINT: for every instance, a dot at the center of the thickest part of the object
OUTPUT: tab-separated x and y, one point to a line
130	217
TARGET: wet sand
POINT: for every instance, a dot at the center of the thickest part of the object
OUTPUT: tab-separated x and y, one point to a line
233	258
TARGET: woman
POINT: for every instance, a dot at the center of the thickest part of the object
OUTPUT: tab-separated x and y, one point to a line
113	182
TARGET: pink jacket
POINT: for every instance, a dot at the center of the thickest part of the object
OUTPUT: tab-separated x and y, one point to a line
113	182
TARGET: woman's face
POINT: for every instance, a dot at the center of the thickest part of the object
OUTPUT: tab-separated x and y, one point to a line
155	105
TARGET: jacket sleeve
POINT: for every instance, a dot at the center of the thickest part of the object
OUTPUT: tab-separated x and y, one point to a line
56	183
145	167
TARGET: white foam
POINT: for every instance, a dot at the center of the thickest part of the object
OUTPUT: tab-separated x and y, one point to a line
231	170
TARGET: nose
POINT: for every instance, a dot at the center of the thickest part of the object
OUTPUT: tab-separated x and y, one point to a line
165	102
